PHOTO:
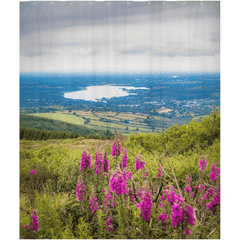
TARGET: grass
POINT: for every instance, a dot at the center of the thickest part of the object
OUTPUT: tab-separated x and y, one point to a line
71	144
135	120
62	117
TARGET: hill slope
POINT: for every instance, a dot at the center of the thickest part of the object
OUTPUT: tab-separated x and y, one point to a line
40	123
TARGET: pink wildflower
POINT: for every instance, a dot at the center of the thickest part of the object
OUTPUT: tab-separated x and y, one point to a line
163	217
215	172
80	190
35	223
145	206
124	159
99	163
109	224
159	172
106	164
25	226
85	161
189	214
139	164
188	232
188	189
33	172
202	163
115	149
109	200
215	201
177	215
93	201
118	183
171	196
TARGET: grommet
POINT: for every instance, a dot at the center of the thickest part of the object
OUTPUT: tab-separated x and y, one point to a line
201	2
183	2
128	2
90	2
70	2
34	2
163	2
51	2
148	2
109	2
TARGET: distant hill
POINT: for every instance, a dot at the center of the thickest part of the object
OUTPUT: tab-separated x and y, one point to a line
28	121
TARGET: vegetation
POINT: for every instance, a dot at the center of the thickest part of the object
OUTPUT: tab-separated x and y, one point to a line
40	123
169	174
35	134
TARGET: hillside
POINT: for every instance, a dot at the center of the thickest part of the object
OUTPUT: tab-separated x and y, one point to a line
28	121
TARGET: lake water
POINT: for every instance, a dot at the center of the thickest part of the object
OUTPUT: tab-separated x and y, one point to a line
95	93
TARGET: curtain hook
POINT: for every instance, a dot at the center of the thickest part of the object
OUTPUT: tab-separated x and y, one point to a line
34	2
109	2
90	2
70	2
163	2
183	2
51	2
202	2
148	2
128	2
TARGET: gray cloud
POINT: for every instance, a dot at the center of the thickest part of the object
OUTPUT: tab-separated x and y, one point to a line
119	36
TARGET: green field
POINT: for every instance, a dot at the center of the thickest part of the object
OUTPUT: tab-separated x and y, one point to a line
69	118
124	122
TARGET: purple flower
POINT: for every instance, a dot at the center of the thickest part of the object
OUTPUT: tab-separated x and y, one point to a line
115	149
145	206
159	172
171	196
25	226
188	232
189	214
106	164
118	183
109	200
215	201
163	217
33	172
109	224
93	201
85	161
35	223
188	189
202	163
139	164
215	172
124	159
99	163
80	190
177	215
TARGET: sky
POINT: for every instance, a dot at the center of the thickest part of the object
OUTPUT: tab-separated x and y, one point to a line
119	37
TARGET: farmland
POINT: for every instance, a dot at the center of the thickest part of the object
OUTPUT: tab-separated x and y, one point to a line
124	122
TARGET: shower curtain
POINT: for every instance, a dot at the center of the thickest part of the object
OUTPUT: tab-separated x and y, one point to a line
134	85
121	56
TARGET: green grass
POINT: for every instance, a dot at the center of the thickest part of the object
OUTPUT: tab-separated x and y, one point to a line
62	117
135	121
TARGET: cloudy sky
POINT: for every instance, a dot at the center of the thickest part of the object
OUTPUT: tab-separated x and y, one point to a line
119	37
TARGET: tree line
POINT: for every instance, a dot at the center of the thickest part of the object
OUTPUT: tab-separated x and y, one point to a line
38	135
